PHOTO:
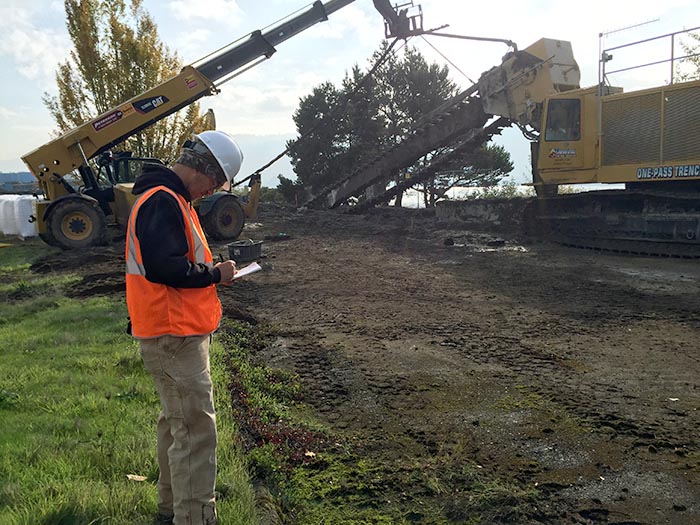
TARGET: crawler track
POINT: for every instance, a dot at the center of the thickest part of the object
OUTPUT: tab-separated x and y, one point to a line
633	222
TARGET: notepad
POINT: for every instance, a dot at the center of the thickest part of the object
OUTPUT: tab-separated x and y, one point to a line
247	270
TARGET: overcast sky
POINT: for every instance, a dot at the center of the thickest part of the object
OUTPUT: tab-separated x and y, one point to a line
258	105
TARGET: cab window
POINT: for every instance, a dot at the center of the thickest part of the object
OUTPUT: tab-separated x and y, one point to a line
563	120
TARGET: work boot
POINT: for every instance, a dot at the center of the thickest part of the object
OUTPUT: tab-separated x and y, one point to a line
163	519
209	515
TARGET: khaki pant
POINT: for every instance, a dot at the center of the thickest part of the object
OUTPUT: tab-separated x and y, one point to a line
186	427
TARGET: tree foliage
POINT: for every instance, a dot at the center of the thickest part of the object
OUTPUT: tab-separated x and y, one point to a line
412	88
117	55
689	68
484	167
341	128
325	130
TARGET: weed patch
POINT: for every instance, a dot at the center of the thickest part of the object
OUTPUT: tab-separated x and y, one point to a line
316	475
261	399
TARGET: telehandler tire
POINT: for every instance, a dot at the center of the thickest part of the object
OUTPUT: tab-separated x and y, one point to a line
77	223
225	219
48	238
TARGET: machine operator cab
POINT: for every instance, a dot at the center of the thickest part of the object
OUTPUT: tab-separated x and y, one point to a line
561	145
563	120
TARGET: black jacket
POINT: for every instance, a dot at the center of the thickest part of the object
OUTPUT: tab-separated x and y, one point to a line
160	229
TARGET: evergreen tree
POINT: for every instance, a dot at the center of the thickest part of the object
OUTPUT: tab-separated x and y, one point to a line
486	166
365	123
342	128
416	88
323	124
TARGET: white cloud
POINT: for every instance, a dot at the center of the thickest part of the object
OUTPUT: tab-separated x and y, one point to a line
33	44
352	24
248	109
23	129
8	113
193	45
210	10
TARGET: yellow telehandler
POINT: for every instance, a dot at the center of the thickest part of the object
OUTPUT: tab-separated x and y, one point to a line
73	215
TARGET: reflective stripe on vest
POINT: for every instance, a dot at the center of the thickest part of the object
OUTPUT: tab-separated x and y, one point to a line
156	309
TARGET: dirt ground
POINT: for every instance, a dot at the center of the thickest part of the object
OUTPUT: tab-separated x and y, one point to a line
435	348
572	372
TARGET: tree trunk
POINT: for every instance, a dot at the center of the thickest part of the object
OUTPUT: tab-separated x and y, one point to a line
399	196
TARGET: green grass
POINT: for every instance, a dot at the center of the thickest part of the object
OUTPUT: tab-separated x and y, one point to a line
78	410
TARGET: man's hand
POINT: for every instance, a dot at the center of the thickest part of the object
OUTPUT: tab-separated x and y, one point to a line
228	271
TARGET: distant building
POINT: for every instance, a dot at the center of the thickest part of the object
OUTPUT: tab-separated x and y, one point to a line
19	182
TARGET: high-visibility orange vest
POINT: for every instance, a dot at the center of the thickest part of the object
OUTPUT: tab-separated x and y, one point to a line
156	309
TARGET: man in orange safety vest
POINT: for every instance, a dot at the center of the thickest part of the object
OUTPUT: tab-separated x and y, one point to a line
173	307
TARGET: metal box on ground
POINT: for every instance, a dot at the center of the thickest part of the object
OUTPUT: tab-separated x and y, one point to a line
245	251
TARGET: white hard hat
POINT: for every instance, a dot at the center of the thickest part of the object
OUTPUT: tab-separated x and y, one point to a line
225	150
